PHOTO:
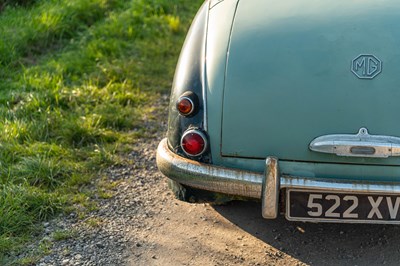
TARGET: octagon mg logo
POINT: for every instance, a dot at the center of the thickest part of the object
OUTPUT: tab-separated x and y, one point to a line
366	66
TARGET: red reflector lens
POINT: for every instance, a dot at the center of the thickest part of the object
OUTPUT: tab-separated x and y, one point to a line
185	106
193	143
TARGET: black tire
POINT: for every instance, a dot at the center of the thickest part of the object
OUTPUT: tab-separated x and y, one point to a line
193	195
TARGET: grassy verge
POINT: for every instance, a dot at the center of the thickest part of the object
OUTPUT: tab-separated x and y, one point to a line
77	79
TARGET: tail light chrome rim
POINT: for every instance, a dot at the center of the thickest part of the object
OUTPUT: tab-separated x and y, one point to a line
198	133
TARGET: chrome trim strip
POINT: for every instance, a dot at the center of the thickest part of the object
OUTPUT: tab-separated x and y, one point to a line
359	145
270	189
204	74
339	186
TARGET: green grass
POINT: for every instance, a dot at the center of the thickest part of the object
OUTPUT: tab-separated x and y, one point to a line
77	79
60	235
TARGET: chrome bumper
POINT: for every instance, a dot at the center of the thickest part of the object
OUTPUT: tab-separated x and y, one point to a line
264	186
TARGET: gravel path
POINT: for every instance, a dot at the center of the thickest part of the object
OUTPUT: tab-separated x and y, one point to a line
106	236
142	224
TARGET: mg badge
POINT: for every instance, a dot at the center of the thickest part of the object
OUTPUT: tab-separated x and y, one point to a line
366	66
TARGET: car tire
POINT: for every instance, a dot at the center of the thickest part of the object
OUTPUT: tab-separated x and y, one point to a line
193	195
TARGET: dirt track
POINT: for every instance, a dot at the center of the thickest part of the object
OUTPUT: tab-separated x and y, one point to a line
180	233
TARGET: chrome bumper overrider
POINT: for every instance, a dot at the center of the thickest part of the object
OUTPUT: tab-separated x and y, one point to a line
264	186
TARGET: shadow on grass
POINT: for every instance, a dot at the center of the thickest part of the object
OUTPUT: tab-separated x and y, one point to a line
319	244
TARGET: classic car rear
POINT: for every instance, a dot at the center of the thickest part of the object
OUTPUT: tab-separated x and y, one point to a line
295	103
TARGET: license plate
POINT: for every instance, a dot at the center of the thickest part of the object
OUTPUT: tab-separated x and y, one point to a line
321	206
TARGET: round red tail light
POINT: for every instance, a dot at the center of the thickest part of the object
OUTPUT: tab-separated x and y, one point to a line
185	106
188	104
194	142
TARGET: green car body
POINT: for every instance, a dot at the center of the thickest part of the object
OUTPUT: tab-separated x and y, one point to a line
272	78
